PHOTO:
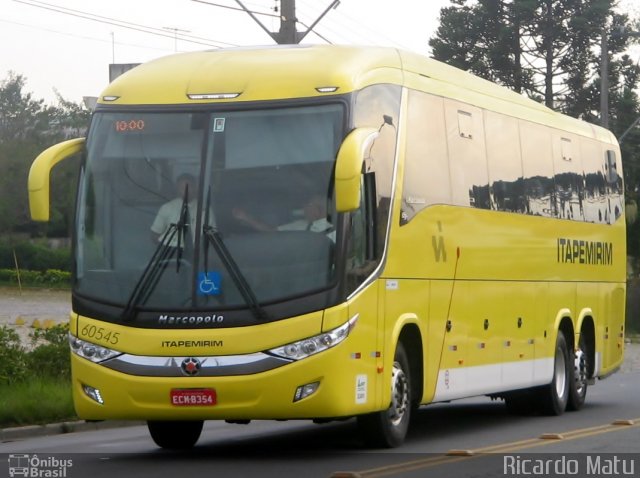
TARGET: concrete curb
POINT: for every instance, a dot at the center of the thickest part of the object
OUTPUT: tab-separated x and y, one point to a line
31	431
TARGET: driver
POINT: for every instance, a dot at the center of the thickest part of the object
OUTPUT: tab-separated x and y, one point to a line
169	213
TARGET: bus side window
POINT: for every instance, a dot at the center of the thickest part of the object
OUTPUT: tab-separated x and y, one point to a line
426	174
610	168
363	236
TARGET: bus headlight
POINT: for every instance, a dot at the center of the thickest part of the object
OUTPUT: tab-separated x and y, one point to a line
319	343
95	353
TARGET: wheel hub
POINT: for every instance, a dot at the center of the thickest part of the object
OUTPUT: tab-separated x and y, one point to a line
399	395
580	368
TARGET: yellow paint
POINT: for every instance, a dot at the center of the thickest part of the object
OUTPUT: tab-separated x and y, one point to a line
40	172
493	276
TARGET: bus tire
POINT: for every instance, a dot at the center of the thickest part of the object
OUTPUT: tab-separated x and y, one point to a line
175	435
555	396
388	428
579	376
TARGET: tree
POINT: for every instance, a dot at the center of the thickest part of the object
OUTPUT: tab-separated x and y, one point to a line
21	117
27	127
547	49
481	37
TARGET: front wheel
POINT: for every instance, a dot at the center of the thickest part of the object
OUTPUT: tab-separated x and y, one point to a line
175	435
388	428
554	397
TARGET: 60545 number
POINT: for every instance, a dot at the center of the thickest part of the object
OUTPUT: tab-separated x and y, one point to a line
101	334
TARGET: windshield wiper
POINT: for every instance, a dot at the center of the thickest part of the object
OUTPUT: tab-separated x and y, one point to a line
157	264
214	238
182	227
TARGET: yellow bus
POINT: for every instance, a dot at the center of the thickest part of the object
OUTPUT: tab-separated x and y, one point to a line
321	232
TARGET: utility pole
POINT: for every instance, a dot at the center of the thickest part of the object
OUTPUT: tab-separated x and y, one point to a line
175	35
604	79
288	33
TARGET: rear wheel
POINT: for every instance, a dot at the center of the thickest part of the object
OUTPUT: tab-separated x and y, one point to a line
579	376
388	428
554	397
175	435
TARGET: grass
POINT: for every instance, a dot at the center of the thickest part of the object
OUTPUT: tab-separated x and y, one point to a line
36	400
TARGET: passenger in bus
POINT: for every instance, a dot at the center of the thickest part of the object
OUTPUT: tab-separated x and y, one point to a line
169	213
314	219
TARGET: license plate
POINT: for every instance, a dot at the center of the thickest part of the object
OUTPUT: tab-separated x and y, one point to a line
193	397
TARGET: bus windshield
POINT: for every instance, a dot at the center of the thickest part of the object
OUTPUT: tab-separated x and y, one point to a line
209	210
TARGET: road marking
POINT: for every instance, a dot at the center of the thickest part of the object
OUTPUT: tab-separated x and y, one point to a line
453	456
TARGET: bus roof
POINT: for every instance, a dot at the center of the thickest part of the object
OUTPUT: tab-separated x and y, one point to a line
301	71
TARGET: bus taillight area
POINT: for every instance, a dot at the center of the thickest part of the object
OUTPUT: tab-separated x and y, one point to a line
328	384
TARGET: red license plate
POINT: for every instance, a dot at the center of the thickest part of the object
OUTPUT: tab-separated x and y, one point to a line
193	397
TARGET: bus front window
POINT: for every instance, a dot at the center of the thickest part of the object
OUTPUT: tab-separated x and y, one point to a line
157	186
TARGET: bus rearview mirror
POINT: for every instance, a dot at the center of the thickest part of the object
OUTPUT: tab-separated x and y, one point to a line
351	155
40	173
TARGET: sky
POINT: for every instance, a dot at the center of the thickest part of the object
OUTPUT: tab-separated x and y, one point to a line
56	51
70	53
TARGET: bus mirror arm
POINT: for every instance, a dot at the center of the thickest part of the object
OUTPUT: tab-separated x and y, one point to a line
349	161
40	172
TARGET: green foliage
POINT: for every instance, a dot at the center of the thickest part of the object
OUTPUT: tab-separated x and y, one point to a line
36	400
48	278
13	357
27	127
50	354
35	382
34	257
547	49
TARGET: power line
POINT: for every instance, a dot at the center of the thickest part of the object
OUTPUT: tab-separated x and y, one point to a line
122	23
238	9
255	12
345	23
83	37
288	32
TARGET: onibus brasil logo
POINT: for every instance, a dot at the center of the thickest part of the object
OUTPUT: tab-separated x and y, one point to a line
33	466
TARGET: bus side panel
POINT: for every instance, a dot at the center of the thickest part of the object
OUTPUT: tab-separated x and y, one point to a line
366	305
440	294
611	329
491	345
406	303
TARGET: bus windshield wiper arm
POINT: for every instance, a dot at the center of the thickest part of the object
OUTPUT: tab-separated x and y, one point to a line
213	236
155	267
183	226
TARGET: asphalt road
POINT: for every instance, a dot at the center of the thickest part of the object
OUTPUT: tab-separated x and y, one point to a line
478	429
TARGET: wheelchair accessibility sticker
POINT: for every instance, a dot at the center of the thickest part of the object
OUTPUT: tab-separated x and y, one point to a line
209	283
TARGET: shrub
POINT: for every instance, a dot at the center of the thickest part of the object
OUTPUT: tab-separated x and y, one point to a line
55	276
34	257
50	355
48	358
51	277
13	358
